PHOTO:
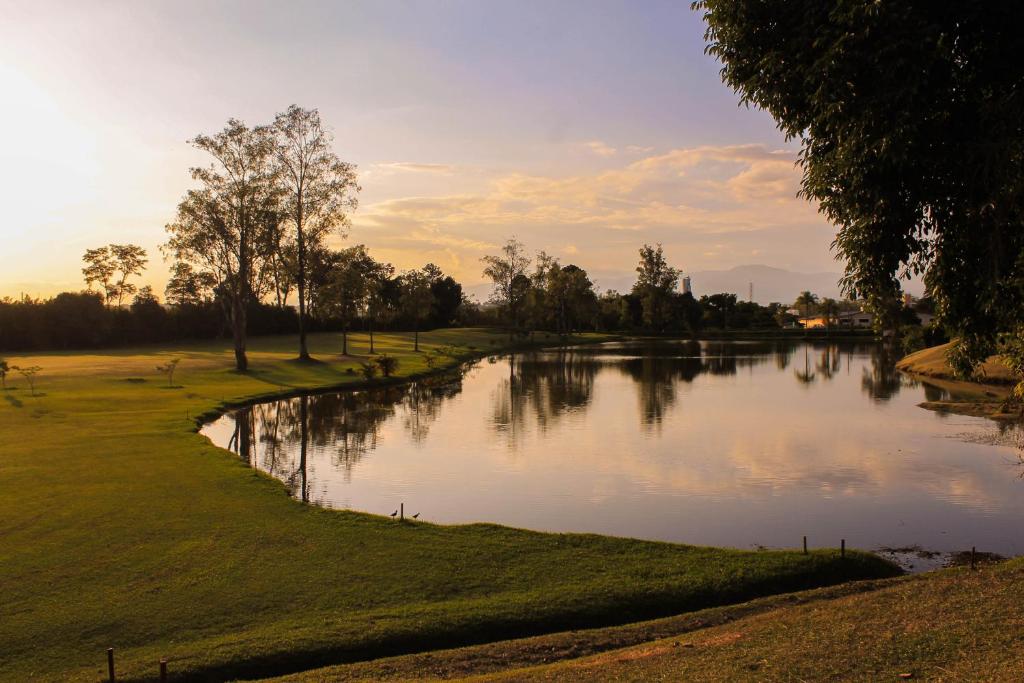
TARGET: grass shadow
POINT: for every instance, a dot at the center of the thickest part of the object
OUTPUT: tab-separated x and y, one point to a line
13	401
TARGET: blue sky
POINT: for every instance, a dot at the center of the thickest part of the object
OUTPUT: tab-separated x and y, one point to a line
583	128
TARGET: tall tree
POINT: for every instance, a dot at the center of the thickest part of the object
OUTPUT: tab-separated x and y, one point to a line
507	271
99	270
187	286
416	299
655	283
806	301
129	261
221	226
320	191
911	120
570	294
448	299
829	310
111	267
346	290
378	295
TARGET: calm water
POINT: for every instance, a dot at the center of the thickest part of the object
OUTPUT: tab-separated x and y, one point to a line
740	444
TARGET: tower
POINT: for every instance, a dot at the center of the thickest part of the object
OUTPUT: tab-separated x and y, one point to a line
686	285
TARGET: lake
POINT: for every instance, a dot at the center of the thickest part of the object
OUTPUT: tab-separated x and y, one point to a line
742	444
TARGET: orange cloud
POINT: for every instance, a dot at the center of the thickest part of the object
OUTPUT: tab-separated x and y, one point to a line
697	191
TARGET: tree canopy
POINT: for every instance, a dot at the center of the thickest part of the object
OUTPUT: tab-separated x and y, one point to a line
911	120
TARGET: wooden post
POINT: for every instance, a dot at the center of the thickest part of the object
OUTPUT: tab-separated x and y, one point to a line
842	548
972	557
110	665
805	545
402	508
163	671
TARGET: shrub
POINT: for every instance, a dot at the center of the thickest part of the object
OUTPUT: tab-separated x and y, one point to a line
387	364
368	370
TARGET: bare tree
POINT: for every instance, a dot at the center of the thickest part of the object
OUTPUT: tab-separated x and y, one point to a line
168	369
222	226
29	374
320	190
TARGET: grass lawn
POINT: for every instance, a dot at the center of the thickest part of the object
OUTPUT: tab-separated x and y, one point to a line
955	625
985	396
120	526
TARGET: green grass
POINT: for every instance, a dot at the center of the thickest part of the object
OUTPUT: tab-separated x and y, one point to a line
955	625
121	526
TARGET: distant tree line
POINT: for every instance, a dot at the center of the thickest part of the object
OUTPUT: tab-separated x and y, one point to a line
352	292
253	235
348	290
542	294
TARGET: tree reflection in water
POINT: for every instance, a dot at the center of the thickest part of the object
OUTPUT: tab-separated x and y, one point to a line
538	390
882	381
279	437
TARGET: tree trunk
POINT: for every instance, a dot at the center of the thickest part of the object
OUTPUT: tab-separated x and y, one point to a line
416	336
304	445
370	326
344	339
238	325
301	249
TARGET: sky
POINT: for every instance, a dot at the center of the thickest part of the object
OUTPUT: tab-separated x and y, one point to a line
584	129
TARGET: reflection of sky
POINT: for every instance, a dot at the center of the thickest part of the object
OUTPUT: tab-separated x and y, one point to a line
723	445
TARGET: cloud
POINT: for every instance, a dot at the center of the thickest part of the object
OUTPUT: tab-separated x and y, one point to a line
703	199
600	148
411	167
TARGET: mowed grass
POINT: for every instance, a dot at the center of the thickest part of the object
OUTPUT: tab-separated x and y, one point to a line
955	625
121	526
932	362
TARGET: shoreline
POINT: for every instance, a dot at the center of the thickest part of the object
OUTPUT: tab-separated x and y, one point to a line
972	398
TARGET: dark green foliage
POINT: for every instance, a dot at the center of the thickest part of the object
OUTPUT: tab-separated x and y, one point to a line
81	321
387	364
655	284
911	119
368	369
447	299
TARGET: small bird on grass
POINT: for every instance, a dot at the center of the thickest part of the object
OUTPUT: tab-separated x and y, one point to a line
416	516
394	513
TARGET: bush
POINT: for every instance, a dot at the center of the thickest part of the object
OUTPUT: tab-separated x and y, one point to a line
387	364
368	370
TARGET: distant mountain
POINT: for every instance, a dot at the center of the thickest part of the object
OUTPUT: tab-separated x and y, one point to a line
770	284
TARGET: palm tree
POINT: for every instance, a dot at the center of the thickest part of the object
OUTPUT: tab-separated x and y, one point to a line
829	309
806	299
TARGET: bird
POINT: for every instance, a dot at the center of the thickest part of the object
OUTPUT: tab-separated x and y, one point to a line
416	516
394	513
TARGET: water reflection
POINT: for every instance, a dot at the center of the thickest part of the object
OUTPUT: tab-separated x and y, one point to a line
727	443
278	437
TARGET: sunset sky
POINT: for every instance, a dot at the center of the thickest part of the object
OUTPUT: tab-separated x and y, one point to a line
583	128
